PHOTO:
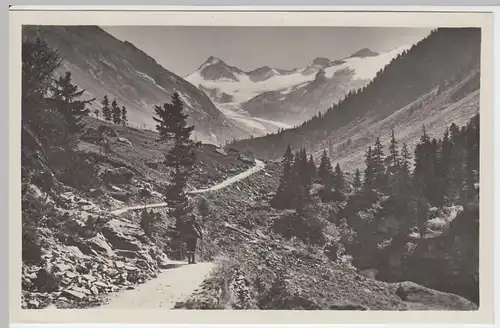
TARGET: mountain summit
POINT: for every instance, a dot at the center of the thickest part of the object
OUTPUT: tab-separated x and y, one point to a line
365	52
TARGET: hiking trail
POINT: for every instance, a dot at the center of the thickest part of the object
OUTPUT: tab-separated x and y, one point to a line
259	165
175	284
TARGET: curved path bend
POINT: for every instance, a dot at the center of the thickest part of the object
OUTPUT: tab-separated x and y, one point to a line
171	285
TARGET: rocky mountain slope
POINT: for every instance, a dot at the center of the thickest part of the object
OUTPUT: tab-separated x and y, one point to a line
287	96
86	252
435	83
104	65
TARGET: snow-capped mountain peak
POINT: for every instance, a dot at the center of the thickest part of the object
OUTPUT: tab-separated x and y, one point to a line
287	96
365	52
212	60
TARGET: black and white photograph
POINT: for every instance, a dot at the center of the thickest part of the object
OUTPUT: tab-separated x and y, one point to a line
250	167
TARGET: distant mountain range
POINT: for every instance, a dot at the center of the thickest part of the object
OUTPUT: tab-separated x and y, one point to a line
435	83
287	97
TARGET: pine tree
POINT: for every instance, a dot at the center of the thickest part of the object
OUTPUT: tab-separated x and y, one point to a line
39	64
421	169
445	158
338	183
312	168
325	169
124	118
165	121
284	194
304	170
369	179
378	165
181	158
357	181
64	97
394	164
393	151
299	190
106	110
116	112
425	175
472	157
404	173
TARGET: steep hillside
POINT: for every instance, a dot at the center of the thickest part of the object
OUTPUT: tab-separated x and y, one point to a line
274	259
434	83
103	65
74	250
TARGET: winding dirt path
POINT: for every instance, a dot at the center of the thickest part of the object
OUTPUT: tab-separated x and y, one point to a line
259	165
176	284
164	291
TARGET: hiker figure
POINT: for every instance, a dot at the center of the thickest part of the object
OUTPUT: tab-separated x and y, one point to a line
192	233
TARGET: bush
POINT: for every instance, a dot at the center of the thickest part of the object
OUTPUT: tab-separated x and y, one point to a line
33	217
31	249
308	229
75	170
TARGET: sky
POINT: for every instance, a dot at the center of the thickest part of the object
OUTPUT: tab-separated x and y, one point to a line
182	49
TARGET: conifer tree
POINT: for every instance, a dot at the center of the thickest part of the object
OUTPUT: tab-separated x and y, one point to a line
106	110
304	170
299	188
325	169
64	97
124	117
369	179
422	163
378	165
338	183
181	157
357	181
39	64
116	112
393	151
445	158
284	194
404	174
165	123
312	168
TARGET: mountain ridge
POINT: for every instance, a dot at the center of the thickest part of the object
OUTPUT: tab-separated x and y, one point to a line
104	65
417	85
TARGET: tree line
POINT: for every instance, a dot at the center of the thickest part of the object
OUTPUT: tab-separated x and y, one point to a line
438	172
112	113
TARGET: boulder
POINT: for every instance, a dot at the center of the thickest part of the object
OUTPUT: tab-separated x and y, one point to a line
124	141
369	273
416	294
123	234
120	175
100	244
73	294
120	195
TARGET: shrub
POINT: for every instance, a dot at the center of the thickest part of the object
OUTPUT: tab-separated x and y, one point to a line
75	170
308	229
